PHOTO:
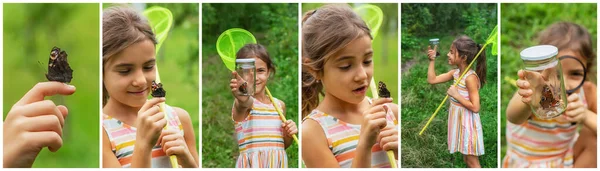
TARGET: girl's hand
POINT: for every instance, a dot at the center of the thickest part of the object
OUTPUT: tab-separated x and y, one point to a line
234	84
34	123
172	142
576	111
150	122
388	138
525	90
289	128
374	120
431	53
452	91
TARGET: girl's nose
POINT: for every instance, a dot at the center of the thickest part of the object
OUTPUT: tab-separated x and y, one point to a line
361	74
139	79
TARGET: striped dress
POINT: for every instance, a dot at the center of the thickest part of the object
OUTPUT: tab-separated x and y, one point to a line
260	138
540	143
465	133
342	139
122	139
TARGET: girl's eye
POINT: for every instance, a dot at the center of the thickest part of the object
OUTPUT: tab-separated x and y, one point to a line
345	67
123	72
149	67
368	61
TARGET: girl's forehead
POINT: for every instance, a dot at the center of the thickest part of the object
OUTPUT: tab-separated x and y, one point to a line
137	53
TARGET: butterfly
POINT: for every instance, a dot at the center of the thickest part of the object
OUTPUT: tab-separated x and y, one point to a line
244	88
58	66
383	91
158	90
548	99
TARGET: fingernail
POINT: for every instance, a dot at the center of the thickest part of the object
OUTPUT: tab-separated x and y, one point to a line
70	86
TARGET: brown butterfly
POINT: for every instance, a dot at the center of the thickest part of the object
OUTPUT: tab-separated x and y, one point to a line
158	90
547	99
244	88
58	66
383	91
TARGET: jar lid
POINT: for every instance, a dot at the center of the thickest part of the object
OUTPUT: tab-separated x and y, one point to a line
540	52
434	40
248	60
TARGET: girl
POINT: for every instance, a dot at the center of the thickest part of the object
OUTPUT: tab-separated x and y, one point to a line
34	123
465	133
262	136
346	129
133	133
534	142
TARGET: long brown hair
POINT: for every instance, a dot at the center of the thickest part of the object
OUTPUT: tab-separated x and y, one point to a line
325	31
122	26
567	35
467	48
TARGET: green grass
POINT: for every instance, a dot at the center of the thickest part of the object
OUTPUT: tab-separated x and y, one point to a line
521	23
419	101
30	32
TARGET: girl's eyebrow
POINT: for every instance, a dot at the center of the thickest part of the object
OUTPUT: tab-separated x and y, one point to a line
369	53
344	58
131	65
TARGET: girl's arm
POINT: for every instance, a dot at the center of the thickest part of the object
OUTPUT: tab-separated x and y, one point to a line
242	104
190	138
287	140
432	78
109	160
518	111
315	151
590	96
473	87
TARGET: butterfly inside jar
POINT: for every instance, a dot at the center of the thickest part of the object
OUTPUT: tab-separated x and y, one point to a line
547	99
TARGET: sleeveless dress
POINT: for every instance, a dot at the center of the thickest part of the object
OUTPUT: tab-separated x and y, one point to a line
122	139
342	139
260	138
465	133
540	143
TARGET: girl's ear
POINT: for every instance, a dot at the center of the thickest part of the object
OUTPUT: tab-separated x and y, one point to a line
309	69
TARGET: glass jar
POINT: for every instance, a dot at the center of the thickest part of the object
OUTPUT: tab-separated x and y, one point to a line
433	43
544	73
247	74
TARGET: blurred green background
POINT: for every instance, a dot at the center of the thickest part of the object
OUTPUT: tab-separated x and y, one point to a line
177	59
276	27
385	46
30	32
421	22
521	24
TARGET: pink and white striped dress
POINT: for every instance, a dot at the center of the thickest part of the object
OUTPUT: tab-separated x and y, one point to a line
342	139
465	133
260	138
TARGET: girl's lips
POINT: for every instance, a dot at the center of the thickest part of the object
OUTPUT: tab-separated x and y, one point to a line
138	93
360	91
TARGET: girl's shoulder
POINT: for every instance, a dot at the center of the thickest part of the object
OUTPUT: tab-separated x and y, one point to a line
590	94
182	114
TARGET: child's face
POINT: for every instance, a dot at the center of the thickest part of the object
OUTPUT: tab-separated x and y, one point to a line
262	74
348	73
572	70
453	56
129	74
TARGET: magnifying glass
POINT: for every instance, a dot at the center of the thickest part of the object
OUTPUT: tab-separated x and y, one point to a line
574	73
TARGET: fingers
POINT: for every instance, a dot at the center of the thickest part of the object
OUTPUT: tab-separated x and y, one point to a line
63	110
290	127
525	92
521	74
48	139
43	89
377	119
46	107
169	135
152	102
44	123
381	101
